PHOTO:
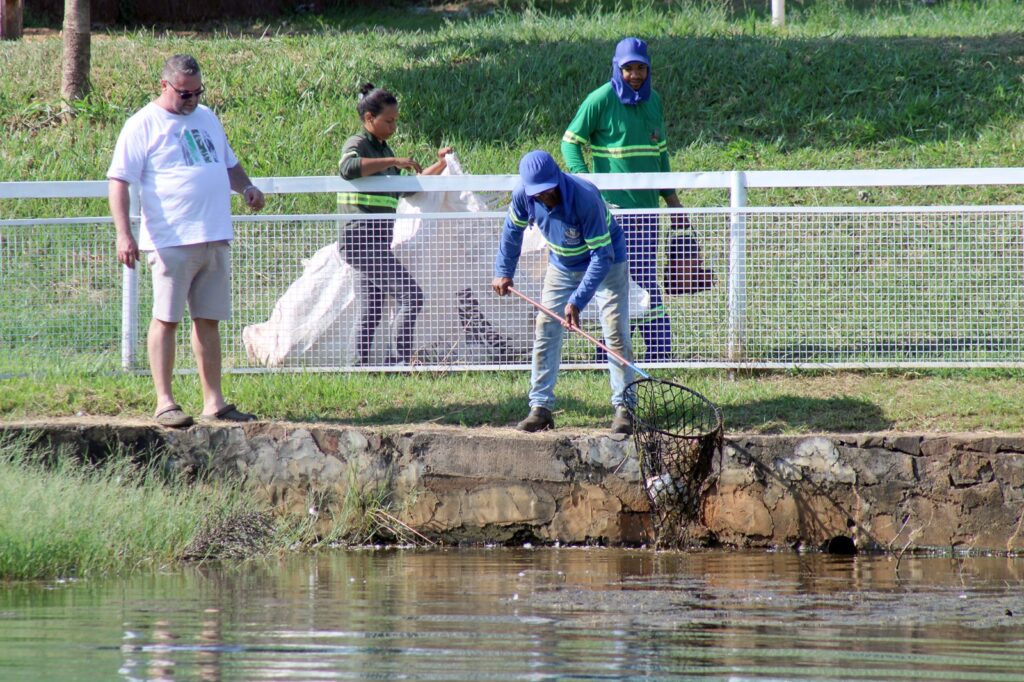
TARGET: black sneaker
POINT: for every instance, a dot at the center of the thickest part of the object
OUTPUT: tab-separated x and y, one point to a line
539	419
623	421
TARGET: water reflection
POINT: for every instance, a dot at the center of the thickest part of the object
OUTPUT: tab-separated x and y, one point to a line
158	659
528	614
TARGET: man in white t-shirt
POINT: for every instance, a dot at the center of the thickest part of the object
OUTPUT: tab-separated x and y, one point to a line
176	151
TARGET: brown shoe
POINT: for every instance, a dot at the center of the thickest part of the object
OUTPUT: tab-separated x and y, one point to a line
228	413
173	417
623	421
539	419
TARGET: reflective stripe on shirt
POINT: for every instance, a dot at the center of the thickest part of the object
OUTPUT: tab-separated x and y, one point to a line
652	150
367	200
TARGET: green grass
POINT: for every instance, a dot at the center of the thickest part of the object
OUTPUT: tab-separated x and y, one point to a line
842	85
70	520
752	402
61	517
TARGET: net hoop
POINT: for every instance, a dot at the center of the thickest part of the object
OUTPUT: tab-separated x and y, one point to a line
677	432
642	414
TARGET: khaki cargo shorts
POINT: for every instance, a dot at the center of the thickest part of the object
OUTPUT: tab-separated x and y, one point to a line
199	274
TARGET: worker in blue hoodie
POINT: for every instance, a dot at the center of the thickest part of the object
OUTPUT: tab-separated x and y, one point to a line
586	260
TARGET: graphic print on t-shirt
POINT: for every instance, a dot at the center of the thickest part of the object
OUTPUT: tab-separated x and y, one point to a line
197	147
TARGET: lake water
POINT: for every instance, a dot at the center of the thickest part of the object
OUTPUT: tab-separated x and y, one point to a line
528	614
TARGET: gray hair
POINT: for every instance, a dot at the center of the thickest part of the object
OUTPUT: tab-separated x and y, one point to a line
184	64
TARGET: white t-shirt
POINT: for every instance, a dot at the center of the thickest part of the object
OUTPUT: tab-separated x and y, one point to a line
181	164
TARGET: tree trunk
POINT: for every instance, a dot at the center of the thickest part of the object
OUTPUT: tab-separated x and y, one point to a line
77	35
11	21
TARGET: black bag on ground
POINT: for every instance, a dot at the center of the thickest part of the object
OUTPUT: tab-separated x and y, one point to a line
684	271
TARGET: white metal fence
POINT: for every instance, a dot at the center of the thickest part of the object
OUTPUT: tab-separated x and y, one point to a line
780	286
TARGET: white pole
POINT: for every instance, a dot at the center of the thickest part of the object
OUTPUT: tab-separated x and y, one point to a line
737	266
778	12
130	291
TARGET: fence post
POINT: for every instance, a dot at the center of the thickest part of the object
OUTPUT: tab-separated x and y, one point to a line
778	12
737	265
130	291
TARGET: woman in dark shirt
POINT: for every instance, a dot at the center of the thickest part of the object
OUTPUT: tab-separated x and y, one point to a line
366	244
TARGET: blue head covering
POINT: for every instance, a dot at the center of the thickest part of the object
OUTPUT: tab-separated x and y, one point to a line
539	172
630	50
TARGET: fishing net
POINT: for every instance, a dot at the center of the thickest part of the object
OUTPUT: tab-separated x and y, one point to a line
677	432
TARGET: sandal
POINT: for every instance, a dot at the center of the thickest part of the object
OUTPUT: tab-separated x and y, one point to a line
229	413
173	417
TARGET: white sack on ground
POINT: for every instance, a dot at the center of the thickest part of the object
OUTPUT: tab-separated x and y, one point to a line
315	322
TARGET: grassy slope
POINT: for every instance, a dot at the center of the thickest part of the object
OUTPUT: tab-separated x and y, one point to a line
895	85
844	85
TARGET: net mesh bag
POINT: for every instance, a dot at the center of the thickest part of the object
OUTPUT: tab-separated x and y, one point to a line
677	432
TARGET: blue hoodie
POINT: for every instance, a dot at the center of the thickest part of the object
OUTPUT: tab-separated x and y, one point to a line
581	233
627	51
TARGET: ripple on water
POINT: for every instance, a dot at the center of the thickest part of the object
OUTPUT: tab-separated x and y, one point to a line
541	614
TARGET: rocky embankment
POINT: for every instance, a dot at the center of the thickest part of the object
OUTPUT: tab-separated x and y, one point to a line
882	491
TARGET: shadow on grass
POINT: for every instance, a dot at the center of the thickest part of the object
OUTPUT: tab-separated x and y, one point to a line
496	89
570	413
787	414
738	90
301	18
449	414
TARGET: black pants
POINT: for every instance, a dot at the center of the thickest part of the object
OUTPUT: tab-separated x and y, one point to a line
366	246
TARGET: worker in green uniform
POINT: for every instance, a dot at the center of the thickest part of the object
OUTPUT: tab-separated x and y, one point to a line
623	124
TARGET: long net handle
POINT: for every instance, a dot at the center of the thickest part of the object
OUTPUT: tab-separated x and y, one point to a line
571	327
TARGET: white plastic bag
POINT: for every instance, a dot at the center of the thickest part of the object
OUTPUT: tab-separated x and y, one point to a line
315	321
452	260
438	202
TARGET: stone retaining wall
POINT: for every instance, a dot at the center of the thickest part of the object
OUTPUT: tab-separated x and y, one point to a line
882	491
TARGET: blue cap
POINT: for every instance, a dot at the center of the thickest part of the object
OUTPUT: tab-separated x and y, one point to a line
539	172
631	50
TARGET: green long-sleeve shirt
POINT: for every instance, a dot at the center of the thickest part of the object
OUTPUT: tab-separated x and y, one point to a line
622	139
364	145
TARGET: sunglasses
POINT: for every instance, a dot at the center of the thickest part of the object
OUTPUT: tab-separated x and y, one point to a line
187	94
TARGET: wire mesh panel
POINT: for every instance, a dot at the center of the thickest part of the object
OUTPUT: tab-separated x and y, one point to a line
61	294
814	287
306	299
884	286
693	271
820	286
353	292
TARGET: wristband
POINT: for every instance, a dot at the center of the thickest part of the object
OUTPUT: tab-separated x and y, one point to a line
249	188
